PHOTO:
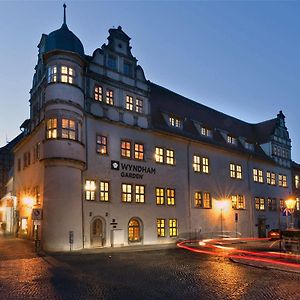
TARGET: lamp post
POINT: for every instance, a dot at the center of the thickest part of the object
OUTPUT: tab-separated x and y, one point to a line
290	205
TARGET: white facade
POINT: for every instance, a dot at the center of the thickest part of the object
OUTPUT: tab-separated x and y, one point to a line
88	112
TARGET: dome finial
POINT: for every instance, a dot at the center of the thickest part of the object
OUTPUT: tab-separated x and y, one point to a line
65	22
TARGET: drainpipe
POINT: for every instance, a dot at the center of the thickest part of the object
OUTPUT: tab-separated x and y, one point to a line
251	214
189	189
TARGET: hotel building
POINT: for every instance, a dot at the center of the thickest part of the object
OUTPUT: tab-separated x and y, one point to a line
111	159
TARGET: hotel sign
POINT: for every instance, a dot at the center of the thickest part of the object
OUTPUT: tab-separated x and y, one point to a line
131	170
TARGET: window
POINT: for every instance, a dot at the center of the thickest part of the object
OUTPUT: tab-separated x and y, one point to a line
297	204
235	171
159	155
104	191
206	200
127	68
134	231
98	93
51	128
205	131
197	163
205	165
160	196
281	204
36	151
170	157
139	151
198	199
272	205
129	103
125	149
67	74
297	181
282	180
37	195
259	203
238	202
271	178
138	105
19	164
231	140
90	188
258	175
52	74
112	62
175	122
140	193
160	225
126	192
249	146
101	144
109	97
170	196
173	227
68	129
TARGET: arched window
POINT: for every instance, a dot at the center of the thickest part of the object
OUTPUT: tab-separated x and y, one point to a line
134	230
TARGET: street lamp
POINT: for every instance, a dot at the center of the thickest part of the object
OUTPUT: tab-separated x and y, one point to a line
290	205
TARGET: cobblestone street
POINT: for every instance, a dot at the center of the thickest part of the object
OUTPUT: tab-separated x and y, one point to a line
150	274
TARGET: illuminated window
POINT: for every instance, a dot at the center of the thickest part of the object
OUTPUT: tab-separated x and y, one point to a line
169	157
134	231
238	202
52	74
101	144
235	171
198	199
104	191
205	131
68	130
160	196
139	151
67	74
297	204
271	178
90	189
129	103
231	140
258	175
138	105
126	192
98	93
297	181
173	227
259	203
197	163
281	203
51	128
160	225
272	204
205	165
109	97
170	196
206	200
24	225
37	195
125	149
140	193
282	180
159	155
175	122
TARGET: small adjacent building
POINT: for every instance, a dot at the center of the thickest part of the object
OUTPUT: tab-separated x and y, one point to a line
112	159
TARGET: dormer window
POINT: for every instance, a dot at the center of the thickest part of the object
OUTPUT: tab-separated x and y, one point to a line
231	140
175	122
112	62
205	132
249	146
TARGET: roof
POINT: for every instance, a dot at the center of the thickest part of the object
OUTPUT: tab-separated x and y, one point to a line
164	101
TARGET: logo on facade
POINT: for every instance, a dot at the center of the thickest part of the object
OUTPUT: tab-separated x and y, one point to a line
115	165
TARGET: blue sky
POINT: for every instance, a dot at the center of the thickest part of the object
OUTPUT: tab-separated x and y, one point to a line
239	57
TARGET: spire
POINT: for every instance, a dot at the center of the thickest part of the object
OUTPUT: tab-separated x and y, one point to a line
65	22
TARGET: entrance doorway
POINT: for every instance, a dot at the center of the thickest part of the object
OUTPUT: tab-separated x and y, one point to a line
97	233
134	231
261	227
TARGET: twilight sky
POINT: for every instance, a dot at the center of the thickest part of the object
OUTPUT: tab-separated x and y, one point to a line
239	57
